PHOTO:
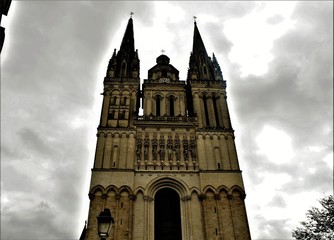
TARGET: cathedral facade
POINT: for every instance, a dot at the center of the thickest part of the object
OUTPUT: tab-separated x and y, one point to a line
172	172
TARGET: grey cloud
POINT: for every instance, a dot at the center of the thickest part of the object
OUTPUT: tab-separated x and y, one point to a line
275	19
34	143
41	220
295	95
278	201
50	75
286	97
226	10
272	229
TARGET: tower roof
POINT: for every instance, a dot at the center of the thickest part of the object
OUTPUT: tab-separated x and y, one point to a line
198	45
128	42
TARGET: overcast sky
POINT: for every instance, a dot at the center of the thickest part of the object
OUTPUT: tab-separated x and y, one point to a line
277	59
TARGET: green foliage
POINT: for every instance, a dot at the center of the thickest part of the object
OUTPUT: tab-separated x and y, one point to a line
319	224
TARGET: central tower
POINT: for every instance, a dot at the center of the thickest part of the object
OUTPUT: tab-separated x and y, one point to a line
171	173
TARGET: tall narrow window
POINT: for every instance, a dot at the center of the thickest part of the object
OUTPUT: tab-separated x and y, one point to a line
157	105
123	69
171	106
124	101
164	73
216	110
206	111
204	70
111	114
122	115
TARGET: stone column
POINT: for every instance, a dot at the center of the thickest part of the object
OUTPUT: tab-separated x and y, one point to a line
115	226
202	198
211	112
202	112
217	198
219	111
226	116
101	138
132	199
197	109
107	152
105	109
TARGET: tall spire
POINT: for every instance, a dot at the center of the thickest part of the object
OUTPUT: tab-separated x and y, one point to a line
200	64
128	42
198	45
125	64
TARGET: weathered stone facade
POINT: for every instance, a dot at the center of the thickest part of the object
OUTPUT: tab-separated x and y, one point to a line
184	141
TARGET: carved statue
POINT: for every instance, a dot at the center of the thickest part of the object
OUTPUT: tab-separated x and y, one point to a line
185	152
162	153
154	152
138	151
146	152
193	149
170	152
177	152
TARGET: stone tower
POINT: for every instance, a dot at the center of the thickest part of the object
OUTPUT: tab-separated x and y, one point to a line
171	173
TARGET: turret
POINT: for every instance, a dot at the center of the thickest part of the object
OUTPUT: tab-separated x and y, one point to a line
125	64
122	84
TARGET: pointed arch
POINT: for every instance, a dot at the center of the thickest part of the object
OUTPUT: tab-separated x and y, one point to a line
237	190
209	188
112	188
97	188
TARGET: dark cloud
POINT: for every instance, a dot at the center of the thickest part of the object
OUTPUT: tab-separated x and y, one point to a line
295	96
50	64
49	86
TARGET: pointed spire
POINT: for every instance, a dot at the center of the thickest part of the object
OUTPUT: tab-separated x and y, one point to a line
198	45
217	71
128	42
125	64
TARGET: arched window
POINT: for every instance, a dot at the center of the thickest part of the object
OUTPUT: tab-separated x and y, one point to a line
216	110
164	73
206	111
171	106
124	101
204	70
157	105
123	69
122	114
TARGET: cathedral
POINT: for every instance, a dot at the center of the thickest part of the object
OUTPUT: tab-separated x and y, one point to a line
166	164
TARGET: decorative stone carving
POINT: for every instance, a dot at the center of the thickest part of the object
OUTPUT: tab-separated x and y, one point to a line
170	150
138	149
146	146
154	147
177	147
185	149
193	149
162	147
154	152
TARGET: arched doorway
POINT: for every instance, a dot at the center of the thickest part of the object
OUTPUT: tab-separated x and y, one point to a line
167	216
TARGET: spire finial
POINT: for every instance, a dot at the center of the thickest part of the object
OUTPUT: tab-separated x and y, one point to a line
195	19
131	13
162	51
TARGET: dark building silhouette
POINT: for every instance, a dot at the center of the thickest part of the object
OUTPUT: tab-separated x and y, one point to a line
173	172
4	7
